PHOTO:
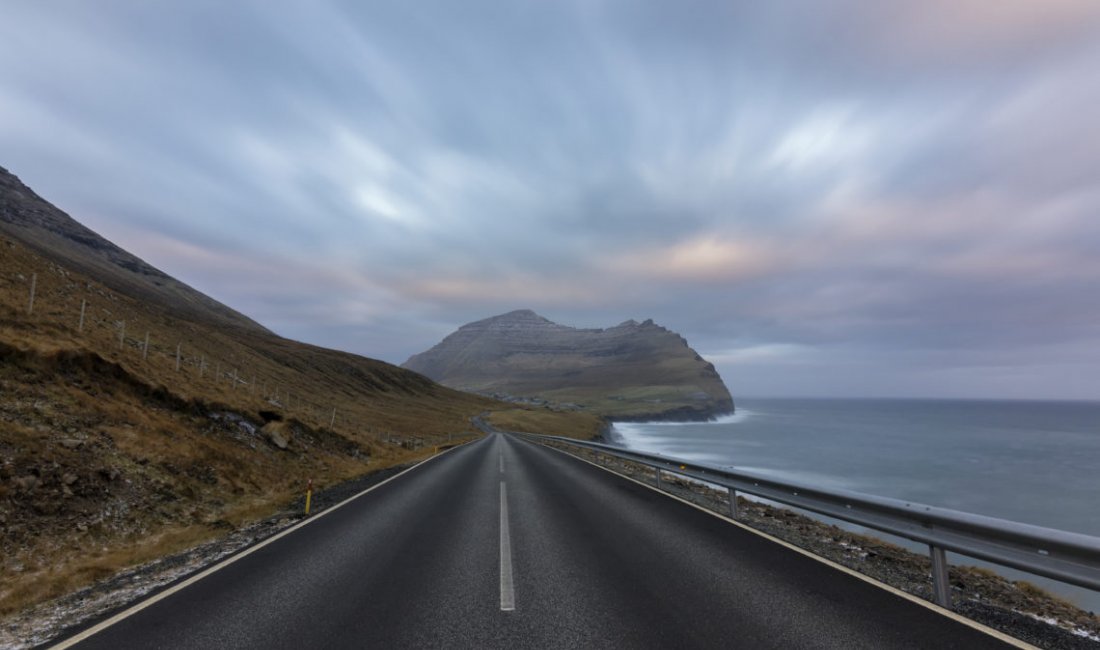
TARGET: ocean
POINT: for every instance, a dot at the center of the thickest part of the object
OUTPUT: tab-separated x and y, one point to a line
1035	462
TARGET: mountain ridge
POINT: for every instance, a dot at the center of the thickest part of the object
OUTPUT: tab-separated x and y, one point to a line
50	232
630	371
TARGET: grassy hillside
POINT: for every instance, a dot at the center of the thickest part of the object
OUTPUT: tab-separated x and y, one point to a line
110	456
585	426
46	230
139	416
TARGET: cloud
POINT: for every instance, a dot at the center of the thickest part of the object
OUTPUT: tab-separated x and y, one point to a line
981	28
829	136
850	184
499	293
700	259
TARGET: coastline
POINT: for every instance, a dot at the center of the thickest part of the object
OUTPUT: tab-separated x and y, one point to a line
680	414
1018	608
609	436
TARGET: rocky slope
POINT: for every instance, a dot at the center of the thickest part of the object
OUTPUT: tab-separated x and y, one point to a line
630	371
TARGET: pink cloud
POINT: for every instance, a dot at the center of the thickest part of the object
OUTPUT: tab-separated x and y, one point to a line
959	30
705	258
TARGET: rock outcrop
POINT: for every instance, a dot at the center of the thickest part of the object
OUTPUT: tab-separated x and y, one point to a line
633	371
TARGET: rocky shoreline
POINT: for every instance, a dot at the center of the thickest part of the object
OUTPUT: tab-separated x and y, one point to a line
1018	609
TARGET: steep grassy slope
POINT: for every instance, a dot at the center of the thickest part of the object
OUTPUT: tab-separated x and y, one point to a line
30	219
110	456
630	371
113	452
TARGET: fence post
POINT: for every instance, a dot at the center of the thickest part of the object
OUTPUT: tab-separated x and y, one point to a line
332	421
145	349
202	366
83	305
178	356
121	334
34	284
941	587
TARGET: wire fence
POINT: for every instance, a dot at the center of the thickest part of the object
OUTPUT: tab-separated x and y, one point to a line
163	347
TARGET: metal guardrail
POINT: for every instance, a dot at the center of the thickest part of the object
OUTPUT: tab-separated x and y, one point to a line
1064	556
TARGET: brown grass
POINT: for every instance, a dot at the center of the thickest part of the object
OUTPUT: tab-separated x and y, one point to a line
569	424
108	458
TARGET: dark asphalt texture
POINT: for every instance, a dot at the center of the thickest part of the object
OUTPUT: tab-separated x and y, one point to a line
598	562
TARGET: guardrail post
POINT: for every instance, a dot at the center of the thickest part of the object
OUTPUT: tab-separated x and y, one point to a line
733	503
658	469
941	587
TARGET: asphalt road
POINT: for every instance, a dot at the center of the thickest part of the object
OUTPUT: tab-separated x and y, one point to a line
505	544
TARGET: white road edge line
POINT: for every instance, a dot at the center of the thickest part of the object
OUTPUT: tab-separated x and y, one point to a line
958	618
507	590
71	641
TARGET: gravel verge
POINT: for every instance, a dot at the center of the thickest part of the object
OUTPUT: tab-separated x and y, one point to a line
52	621
1018	609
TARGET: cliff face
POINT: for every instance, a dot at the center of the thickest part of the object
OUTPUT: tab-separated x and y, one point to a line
630	371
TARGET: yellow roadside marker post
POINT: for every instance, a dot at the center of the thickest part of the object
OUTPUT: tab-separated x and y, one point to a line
309	494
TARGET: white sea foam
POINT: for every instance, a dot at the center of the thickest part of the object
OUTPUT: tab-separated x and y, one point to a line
733	418
637	434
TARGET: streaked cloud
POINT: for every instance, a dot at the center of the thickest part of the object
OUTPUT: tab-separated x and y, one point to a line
707	259
844	197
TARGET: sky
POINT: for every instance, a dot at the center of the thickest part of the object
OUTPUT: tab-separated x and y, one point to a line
826	198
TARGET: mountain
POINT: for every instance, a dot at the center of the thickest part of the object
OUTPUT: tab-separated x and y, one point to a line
32	220
633	371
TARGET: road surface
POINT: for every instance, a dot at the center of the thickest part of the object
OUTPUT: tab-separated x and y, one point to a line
506	544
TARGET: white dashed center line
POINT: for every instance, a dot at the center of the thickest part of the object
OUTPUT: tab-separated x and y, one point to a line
507	591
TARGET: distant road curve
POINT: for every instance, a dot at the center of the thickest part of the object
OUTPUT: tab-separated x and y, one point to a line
505	544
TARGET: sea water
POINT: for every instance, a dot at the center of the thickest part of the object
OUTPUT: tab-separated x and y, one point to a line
1036	462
